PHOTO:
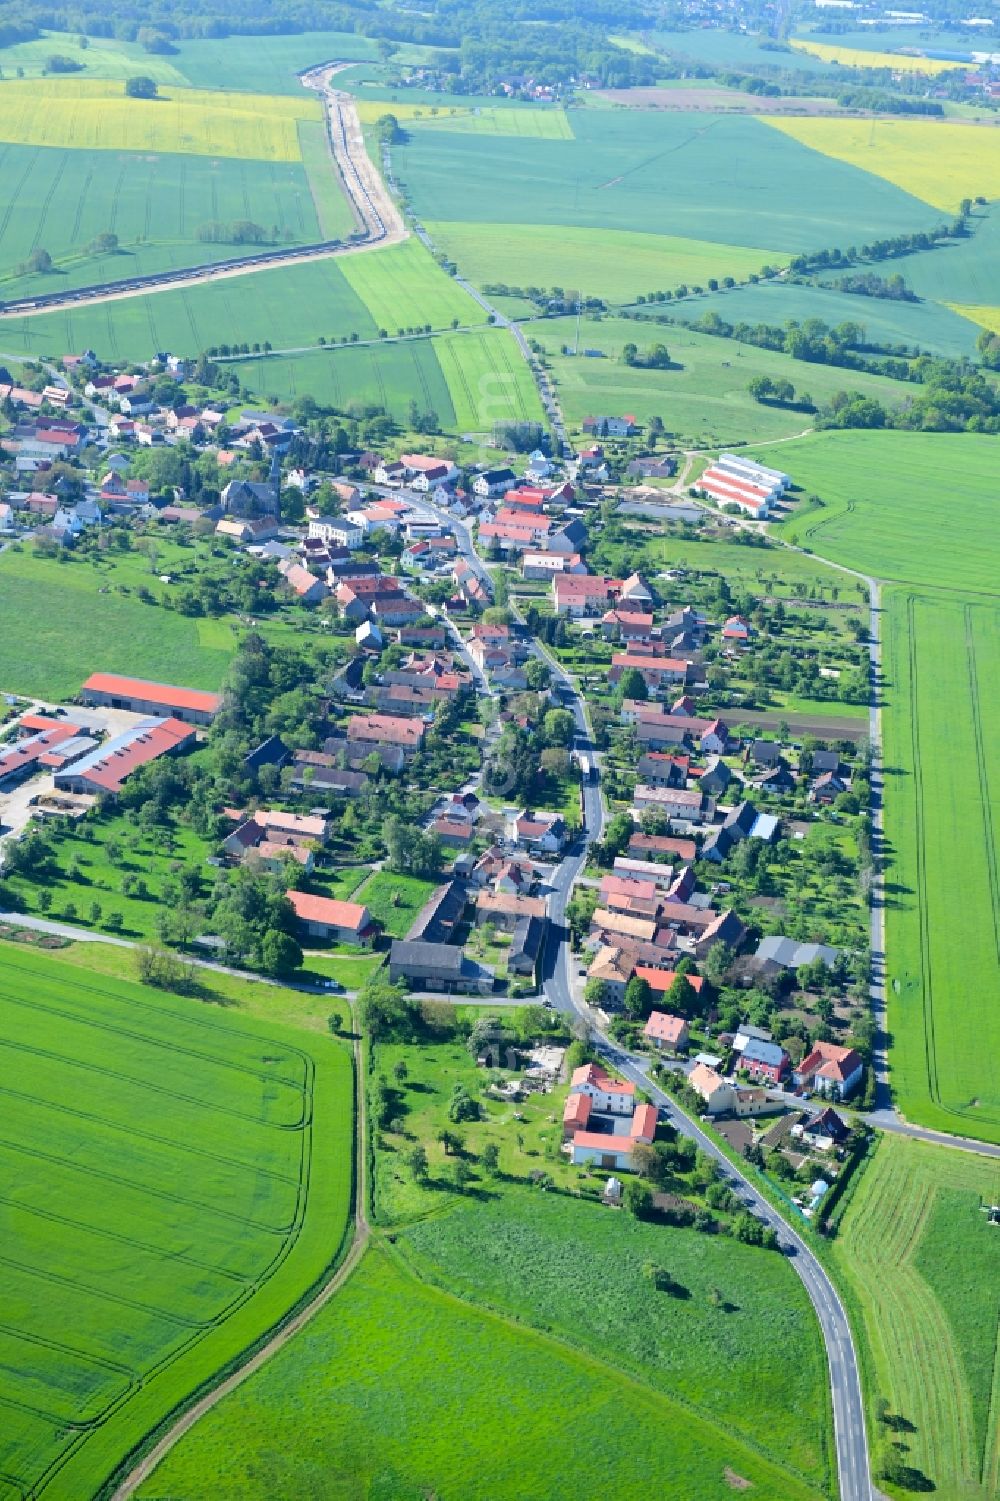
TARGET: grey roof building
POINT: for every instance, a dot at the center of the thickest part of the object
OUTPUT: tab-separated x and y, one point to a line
436	966
792	955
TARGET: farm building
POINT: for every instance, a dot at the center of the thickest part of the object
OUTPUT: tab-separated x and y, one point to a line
343	922
110	691
106	768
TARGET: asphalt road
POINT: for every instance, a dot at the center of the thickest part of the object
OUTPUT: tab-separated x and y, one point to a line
853	1470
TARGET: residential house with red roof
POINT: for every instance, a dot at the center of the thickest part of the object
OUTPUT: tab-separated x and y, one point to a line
831	1070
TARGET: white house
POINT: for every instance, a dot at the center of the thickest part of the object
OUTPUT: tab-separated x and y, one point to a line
340	531
717	1092
609	1096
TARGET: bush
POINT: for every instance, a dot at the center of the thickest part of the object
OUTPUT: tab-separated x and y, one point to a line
140	87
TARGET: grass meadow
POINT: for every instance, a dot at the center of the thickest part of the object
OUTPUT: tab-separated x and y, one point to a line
940	162
394	899
642	171
64	199
617	265
703	398
520	1254
942	732
921	1266
103	57
94	113
476	1398
911	507
73	629
173	1180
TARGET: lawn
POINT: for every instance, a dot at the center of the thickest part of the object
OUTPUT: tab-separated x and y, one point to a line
940	162
476	1401
174	1179
922	1267
942	732
632	170
703	397
290	306
64	199
751	1362
87	112
350	970
394	900
914	507
74	630
616	265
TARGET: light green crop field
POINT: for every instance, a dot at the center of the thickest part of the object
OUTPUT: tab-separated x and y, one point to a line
544	124
63	199
333	212
102	57
942	748
173	1181
704	400
518	1254
476	1399
265	64
404	285
488	379
616	265
73	627
921	1265
919	508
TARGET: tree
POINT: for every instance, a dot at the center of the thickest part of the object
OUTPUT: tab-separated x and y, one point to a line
416	1161
490	1158
140	86
596	993
638	1198
558	727
638	996
39	262
717	962
279	954
537	674
105	243
632	684
461	1106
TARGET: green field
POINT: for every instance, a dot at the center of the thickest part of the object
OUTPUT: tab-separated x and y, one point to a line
74	629
616	265
265	65
942	733
470	380
928	324
174	1179
912	507
333	211
922	1267
404	285
520	1253
401	1391
63	199
632	170
705	401
102	57
941	727
733	49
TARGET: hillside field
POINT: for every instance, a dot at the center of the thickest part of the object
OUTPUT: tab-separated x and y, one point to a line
103	57
942	733
922	1268
404	285
475	1395
703	398
93	113
63	199
858	57
647	171
941	162
173	1180
911	507
616	265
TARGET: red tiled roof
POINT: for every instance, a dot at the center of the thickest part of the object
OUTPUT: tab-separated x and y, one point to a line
662	1026
110	772
329	910
153	693
662	979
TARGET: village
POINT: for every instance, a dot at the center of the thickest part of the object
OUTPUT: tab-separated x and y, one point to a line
612	804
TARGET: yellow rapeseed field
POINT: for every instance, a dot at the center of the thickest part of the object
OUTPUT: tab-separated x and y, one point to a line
94	113
986	317
857	57
942	163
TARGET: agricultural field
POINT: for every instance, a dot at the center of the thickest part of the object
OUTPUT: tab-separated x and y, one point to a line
733	49
942	732
174	1180
441	1422
926	325
91	113
703	398
616	265
265	65
73	626
922	1269
910	507
103	57
858	57
634	170
544	124
488	379
404	286
64	199
940	162
519	1252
